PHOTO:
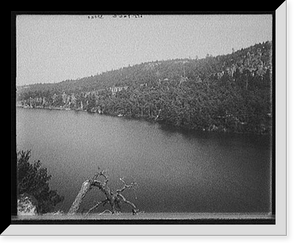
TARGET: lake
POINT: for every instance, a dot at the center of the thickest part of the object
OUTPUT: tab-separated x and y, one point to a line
176	171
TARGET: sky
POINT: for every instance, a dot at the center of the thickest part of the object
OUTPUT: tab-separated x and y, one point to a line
53	48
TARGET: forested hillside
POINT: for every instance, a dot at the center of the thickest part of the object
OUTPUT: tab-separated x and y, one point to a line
226	93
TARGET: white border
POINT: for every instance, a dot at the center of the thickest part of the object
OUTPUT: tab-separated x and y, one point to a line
281	118
280	228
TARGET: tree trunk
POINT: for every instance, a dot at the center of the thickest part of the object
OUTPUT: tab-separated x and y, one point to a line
76	204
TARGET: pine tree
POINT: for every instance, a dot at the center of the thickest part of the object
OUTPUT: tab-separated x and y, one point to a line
32	179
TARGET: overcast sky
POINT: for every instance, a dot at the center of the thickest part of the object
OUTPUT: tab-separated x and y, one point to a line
53	48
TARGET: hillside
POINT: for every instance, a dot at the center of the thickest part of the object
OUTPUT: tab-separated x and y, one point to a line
227	93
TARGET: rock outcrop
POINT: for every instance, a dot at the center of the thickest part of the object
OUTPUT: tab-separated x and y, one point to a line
27	205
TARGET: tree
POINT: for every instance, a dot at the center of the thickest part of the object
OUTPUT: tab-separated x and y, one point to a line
32	179
113	198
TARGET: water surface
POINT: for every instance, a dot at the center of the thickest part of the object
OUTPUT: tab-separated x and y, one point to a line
176	171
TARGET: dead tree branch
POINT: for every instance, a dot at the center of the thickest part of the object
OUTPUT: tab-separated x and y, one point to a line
131	185
113	198
97	205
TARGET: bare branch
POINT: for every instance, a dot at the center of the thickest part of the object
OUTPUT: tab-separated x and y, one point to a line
97	205
101	173
122	180
106	210
113	198
134	209
98	184
131	185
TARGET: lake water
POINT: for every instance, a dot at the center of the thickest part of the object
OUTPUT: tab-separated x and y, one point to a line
176	171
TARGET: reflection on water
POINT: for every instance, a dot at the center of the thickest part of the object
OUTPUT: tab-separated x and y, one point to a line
176	170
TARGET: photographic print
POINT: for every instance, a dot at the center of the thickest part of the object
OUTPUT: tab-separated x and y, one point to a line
145	119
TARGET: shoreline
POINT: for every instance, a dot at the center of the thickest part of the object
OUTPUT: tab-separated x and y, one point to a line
153	121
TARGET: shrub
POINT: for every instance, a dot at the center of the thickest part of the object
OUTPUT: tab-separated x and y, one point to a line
32	179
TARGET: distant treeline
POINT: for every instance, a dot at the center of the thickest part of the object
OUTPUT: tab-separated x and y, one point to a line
228	93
